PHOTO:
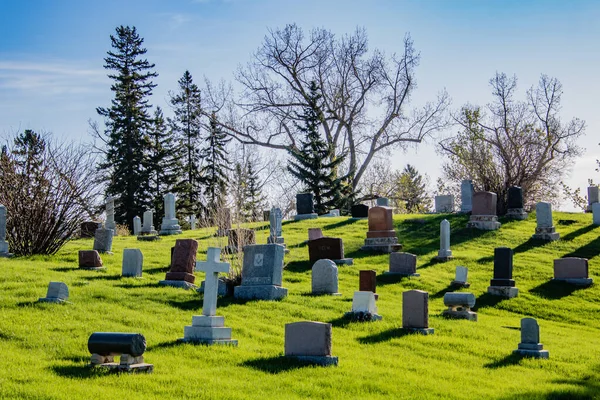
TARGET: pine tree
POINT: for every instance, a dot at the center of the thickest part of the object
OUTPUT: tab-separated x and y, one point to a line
313	163
127	121
187	126
411	189
254	199
214	171
239	190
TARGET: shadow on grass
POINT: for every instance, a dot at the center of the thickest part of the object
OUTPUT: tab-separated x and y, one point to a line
298	266
144	285
276	365
586	388
441	293
339	224
579	232
512	359
523	247
64	269
105	278
342	322
390	279
195	304
385	336
554	290
588	251
79	372
154	270
166	345
487	300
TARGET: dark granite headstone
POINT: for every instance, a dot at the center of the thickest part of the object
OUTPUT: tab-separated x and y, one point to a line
325	247
503	267
305	203
515	197
367	281
359	211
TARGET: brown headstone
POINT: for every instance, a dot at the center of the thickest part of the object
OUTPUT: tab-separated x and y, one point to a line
89	259
484	203
415	309
403	263
325	247
184	256
314	233
570	268
380	222
308	338
367	280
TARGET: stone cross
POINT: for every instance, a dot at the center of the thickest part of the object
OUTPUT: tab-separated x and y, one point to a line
212	266
275	218
110	214
3	243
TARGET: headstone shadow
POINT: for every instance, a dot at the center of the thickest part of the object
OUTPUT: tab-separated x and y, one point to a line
165	345
523	247
196	303
157	269
588	251
441	293
487	300
579	232
105	278
298	266
342	322
553	290
384	336
511	359
390	279
275	365
79	372
144	285
64	269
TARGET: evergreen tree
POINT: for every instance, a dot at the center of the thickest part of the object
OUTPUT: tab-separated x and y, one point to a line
314	163
163	163
239	190
214	171
411	189
187	126
254	199
127	121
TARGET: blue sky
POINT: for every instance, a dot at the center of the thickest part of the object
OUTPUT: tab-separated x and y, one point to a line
51	52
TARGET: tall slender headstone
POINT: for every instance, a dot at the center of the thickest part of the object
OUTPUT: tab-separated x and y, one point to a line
183	260
170	224
275	230
503	284
192	221
530	345
515	208
305	208
137	226
593	197
415	312
545	228
596	213
110	214
381	236
3	243
223	222
147	226
466	196
483	214
444	203
444	254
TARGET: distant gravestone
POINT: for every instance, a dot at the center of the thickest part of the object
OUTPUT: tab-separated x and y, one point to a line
483	214
325	277
530	345
110	214
444	203
262	273
137	226
3	243
266	215
88	229
572	270
593	197
183	261
367	281
359	211
310	342
90	259
460	277
459	305
170	223
363	307
314	233
328	247
403	264
415	312
305	208
466	196
192	221
515	204
381	236
133	260
444	254
103	239
58	292
275	228
147	226
545	228
596	213
503	284
383	202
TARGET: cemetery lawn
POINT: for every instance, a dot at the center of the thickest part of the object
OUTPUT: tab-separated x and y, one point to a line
44	352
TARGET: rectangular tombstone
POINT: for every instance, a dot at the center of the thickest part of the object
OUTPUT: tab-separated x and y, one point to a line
58	292
314	233
364	302
444	203
403	264
275	220
308	338
103	239
359	211
324	277
383	202
238	238
148	223
137	226
593	196
415	310
596	213
266	215
544	215
515	197
183	261
305	203
466	196
325	247
367	280
572	270
530	345
503	267
262	273
461	274
484	203
133	261
380	219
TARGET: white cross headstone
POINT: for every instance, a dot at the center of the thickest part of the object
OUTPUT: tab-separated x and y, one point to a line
212	266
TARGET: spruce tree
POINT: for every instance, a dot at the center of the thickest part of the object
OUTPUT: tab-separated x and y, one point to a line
214	171
313	163
187	126
411	189
254	198
127	121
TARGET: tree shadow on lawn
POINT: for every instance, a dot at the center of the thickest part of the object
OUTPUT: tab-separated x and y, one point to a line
588	251
511	359
441	293
487	300
386	335
579	232
554	290
276	365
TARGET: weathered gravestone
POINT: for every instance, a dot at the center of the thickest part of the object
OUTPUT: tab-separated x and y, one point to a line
359	211
88	229
237	239
58	292
381	236
183	261
545	228
170	223
367	281
3	243
383	202
460	277
305	208
103	239
444	203
314	233
328	247
466	196
593	197
275	227
444	254
415	312
515	204
503	284
363	307
530	345
459	305
223	221
147	226
596	213
572	270
133	260
483	214
310	342
209	328
262	273
403	264
110	214
266	215
192	221
90	259
137	226
324	278
129	346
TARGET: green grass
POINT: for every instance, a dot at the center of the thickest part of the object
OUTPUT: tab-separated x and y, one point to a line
43	347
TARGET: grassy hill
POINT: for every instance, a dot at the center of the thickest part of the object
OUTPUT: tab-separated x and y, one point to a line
44	352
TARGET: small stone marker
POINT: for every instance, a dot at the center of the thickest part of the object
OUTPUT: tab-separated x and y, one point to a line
58	292
381	236
359	211
444	254
460	278
383	202
147	226
239	238
90	259
133	260
572	270
596	213
310	342
275	228
328	247
137	226
325	278
503	284
466	196
444	203
87	229
192	221
459	305
223	222
305	208
404	264
262	273
209	328
415	312
103	239
545	228
515	204
530	345
130	346
483	215
363	307
183	261
110	214
367	281
3	243
314	233
170	223
593	197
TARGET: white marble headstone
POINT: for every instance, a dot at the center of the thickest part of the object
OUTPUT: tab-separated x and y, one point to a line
461	274
364	302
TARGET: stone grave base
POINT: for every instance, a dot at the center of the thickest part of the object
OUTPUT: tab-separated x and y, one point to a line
167	232
460	314
93	268
325	294
401	274
209	330
484	222
223	288
352	315
148	238
51	300
575	281
421	331
6	255
444	257
317	360
260	292
178	284
276	240
344	261
300	217
532	353
460	284
516	213
503	291
127	363
381	245
547	234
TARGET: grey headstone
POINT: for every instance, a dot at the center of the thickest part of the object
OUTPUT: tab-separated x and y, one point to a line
530	331
263	265
57	290
444	203
275	219
148	226
466	196
110	214
324	277
133	260
383	202
403	263
461	274
103	239
170	223
596	213
364	302
3	242
137	226
593	195
544	215
308	338
415	309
